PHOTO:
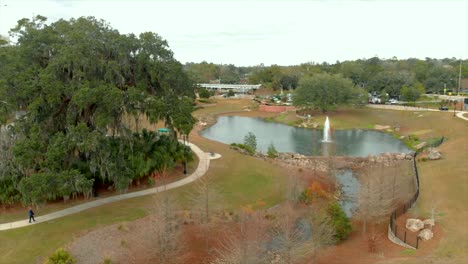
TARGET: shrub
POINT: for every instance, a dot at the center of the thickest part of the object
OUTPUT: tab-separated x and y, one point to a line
312	193
205	101
230	93
244	147
272	152
339	220
204	93
61	256
107	261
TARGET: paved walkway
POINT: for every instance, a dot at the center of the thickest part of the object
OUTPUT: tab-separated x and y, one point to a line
203	165
459	114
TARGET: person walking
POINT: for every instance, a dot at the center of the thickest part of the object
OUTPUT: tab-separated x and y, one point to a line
31	215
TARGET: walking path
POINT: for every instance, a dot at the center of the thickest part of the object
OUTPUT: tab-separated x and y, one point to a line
459	114
204	163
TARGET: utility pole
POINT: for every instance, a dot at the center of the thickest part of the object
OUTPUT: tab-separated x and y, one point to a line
459	78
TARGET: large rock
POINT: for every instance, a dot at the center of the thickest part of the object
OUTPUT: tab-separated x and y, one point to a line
426	234
380	127
429	222
434	154
421	145
414	225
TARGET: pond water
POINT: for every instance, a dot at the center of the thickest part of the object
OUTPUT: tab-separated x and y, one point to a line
355	142
350	190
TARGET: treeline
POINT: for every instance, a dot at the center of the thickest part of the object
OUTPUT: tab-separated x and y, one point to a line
70	83
374	74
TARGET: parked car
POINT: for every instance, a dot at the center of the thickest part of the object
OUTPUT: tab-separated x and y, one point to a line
443	108
393	101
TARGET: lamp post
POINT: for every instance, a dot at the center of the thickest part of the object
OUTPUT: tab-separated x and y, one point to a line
459	78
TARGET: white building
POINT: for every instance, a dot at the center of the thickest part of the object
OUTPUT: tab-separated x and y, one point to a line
239	88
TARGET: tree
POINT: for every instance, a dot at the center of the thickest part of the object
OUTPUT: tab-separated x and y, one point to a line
76	79
169	245
245	243
411	93
297	237
339	221
250	141
376	198
206	199
323	91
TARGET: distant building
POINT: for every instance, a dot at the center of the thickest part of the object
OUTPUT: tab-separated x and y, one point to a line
464	85
239	88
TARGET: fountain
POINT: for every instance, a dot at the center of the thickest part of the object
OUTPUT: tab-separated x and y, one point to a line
326	131
328	146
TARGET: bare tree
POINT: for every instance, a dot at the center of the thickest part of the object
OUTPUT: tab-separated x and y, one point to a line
166	231
298	237
376	197
323	234
294	187
206	199
245	243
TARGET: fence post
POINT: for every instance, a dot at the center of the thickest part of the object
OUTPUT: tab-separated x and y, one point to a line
405	237
417	242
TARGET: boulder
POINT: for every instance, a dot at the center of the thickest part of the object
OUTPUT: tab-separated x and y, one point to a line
414	225
434	154
426	234
421	145
429	222
380	127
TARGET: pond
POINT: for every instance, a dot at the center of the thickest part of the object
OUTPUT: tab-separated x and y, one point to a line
355	142
350	190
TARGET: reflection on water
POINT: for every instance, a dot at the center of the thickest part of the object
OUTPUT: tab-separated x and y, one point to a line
360	143
350	190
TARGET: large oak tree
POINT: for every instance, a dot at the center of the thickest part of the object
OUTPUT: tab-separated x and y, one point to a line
75	80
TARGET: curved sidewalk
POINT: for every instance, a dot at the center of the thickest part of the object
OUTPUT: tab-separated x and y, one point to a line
203	165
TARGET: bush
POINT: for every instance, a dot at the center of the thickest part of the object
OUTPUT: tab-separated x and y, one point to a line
339	220
205	101
244	147
61	256
107	261
204	93
230	93
272	152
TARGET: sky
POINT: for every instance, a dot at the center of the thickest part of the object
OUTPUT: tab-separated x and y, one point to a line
247	33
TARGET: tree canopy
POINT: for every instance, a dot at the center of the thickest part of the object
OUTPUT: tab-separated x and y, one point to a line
324	91
75	80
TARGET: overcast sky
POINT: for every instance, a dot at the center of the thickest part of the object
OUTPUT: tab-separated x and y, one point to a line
275	32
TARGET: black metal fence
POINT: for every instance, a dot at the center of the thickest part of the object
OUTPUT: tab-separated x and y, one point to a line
400	232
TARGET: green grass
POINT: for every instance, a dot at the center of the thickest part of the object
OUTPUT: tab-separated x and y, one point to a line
408	252
28	244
